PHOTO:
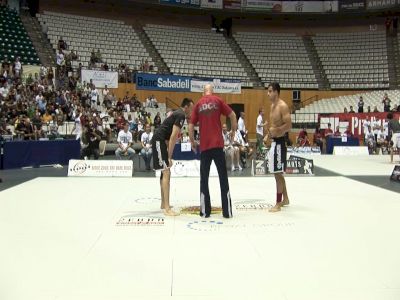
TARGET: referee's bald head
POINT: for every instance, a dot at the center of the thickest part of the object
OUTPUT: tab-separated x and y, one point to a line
208	89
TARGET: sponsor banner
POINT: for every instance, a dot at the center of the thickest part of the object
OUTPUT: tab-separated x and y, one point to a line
294	165
351	5
188	168
382	4
310	6
232	4
211	4
100	168
220	86
266	5
356	121
304	150
193	3
100	78
396	173
350	150
157	82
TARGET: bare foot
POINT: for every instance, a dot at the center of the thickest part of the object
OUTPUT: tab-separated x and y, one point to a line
285	202
163	207
276	208
170	213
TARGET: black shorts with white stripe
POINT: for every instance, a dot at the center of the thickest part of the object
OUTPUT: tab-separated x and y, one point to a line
277	155
160	154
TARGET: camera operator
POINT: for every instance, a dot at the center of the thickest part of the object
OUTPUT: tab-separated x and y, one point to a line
90	139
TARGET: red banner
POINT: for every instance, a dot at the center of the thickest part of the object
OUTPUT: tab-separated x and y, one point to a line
356	121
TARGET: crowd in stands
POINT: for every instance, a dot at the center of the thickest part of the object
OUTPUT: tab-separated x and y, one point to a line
36	107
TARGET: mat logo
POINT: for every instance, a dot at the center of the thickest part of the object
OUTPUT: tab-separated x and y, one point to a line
147	200
205	225
141	221
252	204
219	226
80	168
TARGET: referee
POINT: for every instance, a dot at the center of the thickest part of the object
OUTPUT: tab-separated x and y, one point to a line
207	113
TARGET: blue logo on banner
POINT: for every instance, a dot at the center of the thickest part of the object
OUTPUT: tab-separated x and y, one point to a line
162	82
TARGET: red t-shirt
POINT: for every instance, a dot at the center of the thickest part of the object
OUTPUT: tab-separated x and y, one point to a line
207	112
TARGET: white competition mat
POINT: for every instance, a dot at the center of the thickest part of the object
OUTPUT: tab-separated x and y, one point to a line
105	238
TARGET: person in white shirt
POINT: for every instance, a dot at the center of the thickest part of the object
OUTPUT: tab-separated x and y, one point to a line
369	140
260	130
366	124
375	125
94	97
239	142
147	151
381	138
77	125
60	58
242	126
17	67
232	153
106	91
124	143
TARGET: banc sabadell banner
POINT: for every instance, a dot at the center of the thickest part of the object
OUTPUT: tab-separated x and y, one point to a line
174	83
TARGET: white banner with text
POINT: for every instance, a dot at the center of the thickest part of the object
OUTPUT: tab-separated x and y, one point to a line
101	78
100	168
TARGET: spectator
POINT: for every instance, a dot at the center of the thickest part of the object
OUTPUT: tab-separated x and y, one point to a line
361	105
98	56
25	130
242	126
232	153
45	29
375	109
386	103
260	130
62	45
337	132
345	110
124	143
157	120
351	110
17	68
368	109
302	139
388	22
91	139
369	140
318	138
328	131
239	143
348	132
146	151
60	59
94	97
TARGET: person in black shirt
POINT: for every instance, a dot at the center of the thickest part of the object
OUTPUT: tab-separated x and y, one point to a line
91	137
163	144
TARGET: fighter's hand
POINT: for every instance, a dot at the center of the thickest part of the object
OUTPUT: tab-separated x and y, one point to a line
194	146
232	135
266	138
170	162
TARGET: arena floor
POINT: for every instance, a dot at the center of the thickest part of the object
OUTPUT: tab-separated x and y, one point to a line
105	238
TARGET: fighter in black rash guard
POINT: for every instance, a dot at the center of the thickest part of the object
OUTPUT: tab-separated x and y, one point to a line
163	143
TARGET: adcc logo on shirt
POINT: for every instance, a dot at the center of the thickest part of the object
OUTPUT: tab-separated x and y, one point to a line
208	108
